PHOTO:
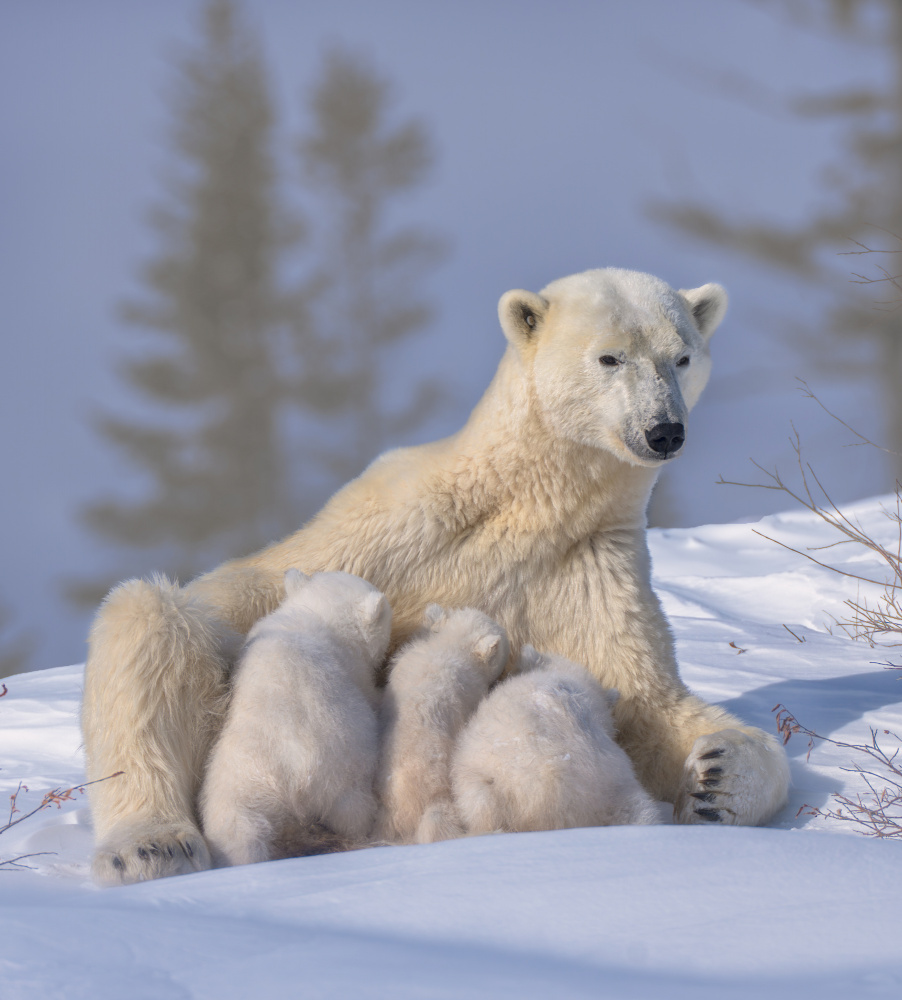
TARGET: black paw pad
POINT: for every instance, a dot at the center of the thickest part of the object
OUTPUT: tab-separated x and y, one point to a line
118	863
704	796
709	815
142	854
712	753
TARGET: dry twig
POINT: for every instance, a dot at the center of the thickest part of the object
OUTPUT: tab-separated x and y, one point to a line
884	620
55	797
878	812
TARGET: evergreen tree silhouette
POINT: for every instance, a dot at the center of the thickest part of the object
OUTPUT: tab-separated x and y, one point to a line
214	311
236	353
357	161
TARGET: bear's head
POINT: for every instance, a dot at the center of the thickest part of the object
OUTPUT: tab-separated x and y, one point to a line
616	359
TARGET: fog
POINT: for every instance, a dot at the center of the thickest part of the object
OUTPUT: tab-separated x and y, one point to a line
555	127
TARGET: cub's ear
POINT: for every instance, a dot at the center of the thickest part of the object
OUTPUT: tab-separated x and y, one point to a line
521	314
373	607
530	659
491	647
295	580
708	305
434	616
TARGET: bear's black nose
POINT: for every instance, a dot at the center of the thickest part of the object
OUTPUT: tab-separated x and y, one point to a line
665	439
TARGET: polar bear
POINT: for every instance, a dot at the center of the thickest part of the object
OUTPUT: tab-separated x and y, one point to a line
539	754
300	743
434	686
534	513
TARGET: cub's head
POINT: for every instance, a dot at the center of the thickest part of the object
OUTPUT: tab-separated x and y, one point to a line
471	633
351	605
616	359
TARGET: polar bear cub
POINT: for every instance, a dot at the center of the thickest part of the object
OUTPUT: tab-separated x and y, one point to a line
299	747
435	685
539	754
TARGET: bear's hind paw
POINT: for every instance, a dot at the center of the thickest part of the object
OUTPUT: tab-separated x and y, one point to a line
155	851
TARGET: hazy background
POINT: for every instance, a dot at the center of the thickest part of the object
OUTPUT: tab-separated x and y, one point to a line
555	128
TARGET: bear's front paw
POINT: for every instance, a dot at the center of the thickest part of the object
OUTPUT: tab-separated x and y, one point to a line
733	777
137	854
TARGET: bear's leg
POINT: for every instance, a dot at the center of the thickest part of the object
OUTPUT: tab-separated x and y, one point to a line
352	814
239	803
477	803
714	768
155	693
241	829
440	822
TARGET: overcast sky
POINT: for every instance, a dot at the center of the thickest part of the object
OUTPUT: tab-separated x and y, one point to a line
555	125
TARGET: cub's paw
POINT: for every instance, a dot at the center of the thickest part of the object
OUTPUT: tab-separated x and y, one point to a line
139	853
740	778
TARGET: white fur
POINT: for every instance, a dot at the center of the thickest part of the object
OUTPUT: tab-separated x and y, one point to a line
733	774
298	749
534	513
539	754
435	684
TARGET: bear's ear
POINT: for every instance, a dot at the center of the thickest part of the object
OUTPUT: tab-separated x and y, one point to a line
434	616
521	314
707	305
295	580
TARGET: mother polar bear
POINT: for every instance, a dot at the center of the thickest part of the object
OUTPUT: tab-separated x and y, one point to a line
534	512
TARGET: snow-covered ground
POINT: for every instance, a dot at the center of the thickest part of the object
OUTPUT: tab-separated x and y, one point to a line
806	907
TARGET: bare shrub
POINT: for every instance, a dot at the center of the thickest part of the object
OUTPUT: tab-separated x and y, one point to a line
877	812
55	797
882	620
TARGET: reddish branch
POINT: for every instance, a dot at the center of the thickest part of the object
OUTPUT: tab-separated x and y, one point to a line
878	812
55	797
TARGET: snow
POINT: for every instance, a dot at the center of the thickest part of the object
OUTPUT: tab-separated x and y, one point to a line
806	906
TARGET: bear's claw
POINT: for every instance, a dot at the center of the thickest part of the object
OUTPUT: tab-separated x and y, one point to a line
711	777
746	786
129	855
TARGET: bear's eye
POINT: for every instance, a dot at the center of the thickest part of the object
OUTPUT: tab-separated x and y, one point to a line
609	360
683	362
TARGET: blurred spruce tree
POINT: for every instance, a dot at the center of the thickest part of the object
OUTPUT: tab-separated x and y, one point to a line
355	162
236	350
862	211
213	306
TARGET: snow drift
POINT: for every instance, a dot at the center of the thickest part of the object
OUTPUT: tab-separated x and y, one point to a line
806	906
